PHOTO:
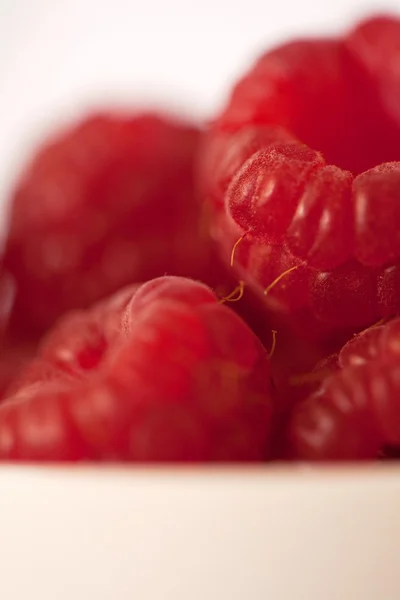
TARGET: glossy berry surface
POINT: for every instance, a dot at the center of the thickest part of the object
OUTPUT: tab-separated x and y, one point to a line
177	376
308	171
101	205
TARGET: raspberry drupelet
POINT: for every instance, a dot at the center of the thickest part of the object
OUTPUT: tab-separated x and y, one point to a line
303	167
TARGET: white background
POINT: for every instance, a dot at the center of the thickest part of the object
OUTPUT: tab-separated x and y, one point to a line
62	56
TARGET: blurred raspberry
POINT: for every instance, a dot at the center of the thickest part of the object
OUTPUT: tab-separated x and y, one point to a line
182	379
104	204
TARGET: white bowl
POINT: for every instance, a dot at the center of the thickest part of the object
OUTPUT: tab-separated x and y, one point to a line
200	534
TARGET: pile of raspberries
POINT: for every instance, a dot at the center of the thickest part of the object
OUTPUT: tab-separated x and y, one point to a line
226	292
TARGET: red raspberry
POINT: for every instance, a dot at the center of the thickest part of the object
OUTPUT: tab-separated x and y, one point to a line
184	380
104	204
332	227
375	44
354	413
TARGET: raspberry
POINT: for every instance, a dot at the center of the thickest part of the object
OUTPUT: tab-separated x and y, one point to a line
306	179
353	414
375	44
210	399
104	204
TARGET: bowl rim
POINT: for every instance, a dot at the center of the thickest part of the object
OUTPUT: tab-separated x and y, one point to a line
263	472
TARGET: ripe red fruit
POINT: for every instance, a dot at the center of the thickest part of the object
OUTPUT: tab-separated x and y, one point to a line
184	379
375	44
354	413
307	175
106	203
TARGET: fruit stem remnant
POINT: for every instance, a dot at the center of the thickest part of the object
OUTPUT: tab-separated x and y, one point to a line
236	244
277	280
235	295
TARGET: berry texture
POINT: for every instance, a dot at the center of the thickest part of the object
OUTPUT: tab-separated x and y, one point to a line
181	378
353	415
102	205
308	172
